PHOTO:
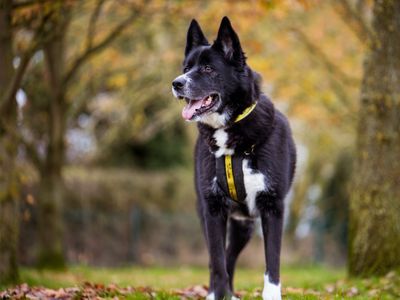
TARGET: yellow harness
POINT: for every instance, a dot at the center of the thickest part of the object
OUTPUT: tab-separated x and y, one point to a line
230	178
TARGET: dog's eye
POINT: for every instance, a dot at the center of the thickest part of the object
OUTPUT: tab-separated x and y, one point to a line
207	69
186	69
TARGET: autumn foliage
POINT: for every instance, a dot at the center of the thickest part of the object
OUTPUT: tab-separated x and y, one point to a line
86	113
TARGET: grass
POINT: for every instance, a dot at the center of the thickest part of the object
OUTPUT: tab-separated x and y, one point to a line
163	278
299	282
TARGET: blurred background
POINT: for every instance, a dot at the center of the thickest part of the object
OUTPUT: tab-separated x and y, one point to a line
103	160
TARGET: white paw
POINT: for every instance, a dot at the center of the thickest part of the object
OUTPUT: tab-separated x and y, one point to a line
210	296
271	291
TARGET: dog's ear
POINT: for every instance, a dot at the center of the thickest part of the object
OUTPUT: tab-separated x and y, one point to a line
228	43
195	37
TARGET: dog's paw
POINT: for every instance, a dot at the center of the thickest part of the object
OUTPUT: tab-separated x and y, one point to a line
271	291
211	296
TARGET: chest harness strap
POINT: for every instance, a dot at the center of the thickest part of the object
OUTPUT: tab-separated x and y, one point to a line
230	179
229	168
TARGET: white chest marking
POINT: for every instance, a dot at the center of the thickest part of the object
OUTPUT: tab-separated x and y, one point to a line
271	291
214	119
221	138
254	182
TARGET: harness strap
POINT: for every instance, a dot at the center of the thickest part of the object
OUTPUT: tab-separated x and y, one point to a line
229	168
230	177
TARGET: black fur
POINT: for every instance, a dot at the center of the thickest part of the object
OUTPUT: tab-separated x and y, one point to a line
264	136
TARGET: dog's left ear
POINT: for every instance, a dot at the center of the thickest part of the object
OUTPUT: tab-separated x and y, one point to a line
228	43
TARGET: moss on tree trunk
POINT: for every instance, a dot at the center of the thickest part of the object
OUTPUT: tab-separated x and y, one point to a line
51	253
375	196
9	216
51	250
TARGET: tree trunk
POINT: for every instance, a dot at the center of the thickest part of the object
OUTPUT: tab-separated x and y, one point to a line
9	213
375	198
51	186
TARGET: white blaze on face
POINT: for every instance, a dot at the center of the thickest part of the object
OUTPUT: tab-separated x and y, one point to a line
184	77
271	291
221	138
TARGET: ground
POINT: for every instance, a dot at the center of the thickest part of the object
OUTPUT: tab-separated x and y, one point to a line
299	282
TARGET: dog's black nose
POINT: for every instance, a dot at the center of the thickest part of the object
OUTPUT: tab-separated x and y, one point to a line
178	83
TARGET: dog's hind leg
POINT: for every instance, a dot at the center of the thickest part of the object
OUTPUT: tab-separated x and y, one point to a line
239	233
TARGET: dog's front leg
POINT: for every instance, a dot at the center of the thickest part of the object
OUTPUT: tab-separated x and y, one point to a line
215	218
271	211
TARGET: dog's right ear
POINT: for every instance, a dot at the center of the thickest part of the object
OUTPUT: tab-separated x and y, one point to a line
195	37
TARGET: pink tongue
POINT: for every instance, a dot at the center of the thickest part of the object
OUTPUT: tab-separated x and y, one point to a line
189	110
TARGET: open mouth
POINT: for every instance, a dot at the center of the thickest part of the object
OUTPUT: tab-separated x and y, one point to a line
197	107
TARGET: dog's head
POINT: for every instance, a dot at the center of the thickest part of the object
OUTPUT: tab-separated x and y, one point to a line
216	82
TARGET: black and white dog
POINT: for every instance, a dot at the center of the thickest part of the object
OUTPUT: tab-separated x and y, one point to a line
245	156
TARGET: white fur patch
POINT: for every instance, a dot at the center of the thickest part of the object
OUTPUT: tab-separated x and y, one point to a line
211	296
221	137
254	182
214	185
174	93
214	119
237	216
271	291
184	77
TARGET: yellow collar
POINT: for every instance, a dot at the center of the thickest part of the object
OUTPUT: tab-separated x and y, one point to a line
246	112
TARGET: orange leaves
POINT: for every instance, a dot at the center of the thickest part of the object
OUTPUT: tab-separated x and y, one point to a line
117	81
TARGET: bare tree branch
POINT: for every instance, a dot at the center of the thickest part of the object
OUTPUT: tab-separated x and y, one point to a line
81	100
354	20
32	151
360	6
27	3
92	23
41	36
16	81
94	49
